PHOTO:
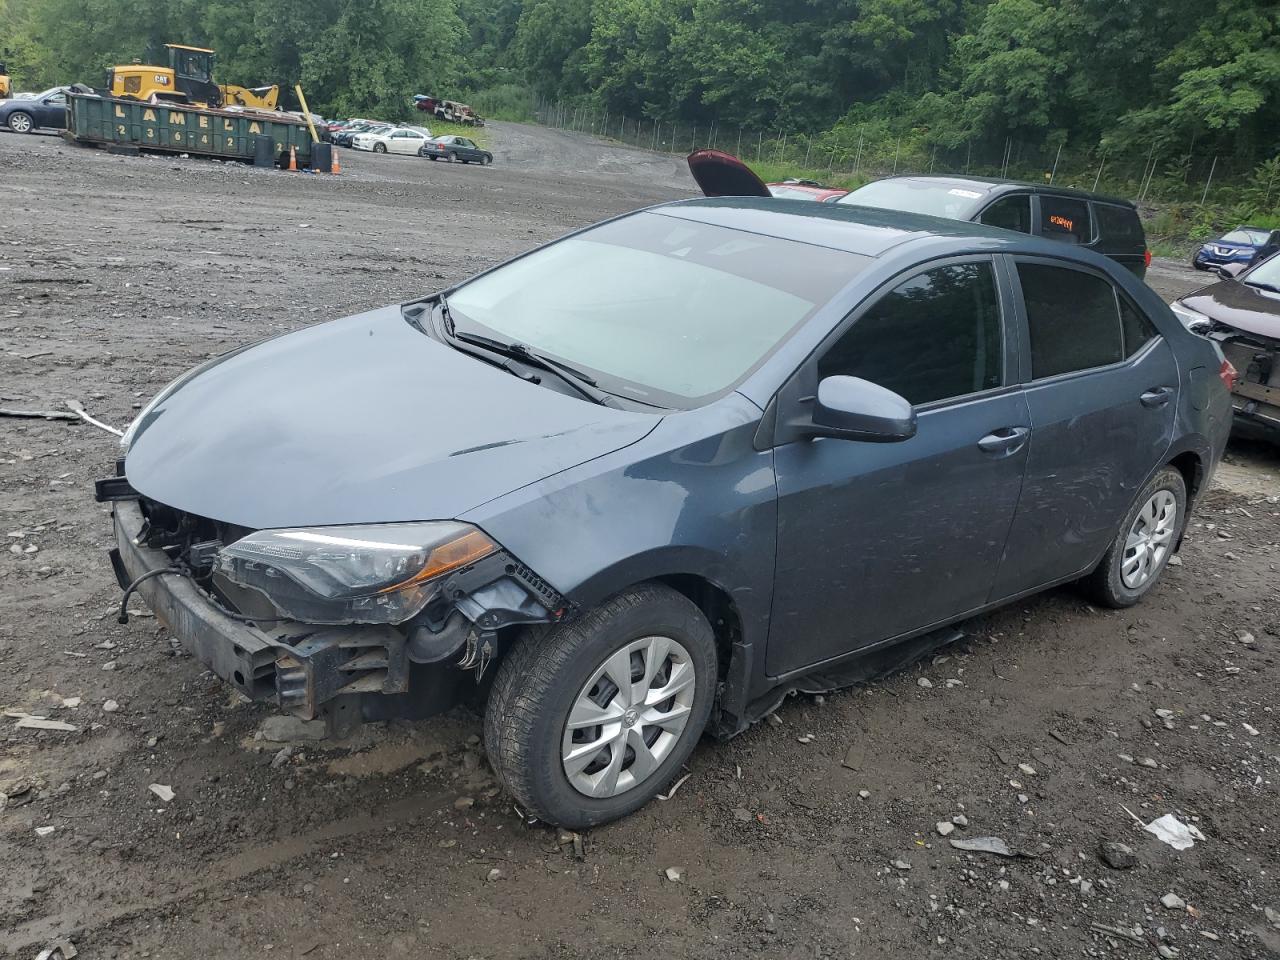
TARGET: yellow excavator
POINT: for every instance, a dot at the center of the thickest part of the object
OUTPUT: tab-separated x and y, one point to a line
187	80
6	85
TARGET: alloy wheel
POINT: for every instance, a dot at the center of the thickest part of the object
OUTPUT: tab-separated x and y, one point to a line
628	717
1150	540
20	123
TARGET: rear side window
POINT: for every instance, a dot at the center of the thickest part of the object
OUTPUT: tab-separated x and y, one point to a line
1065	218
1011	213
1073	320
1119	226
933	337
1136	328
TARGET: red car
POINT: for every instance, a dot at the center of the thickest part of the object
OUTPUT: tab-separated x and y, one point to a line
806	190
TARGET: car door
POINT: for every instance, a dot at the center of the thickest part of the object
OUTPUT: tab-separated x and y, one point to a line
1102	397
413	142
469	150
53	112
876	540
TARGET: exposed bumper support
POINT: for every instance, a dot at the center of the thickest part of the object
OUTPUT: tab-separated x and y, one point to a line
297	666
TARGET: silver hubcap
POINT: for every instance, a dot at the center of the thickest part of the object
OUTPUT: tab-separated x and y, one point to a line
628	717
20	123
1149	540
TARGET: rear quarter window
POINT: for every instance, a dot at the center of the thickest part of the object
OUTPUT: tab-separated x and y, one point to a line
1065	218
1119	226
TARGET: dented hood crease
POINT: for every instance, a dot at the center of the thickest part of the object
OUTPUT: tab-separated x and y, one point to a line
361	420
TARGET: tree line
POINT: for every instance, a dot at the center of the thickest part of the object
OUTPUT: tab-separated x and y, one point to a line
1129	74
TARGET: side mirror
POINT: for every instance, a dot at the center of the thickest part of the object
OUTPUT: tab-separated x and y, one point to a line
851	408
1229	271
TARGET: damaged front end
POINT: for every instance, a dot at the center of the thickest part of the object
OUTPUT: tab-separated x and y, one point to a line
1255	397
343	623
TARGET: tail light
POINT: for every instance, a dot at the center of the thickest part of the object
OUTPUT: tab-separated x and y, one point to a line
1228	375
1146	257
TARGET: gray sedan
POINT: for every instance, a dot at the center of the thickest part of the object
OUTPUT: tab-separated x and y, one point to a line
24	115
643	482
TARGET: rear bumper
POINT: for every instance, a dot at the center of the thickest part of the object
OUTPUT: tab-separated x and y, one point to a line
296	666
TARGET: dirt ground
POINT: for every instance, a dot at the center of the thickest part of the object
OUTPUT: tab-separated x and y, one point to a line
812	837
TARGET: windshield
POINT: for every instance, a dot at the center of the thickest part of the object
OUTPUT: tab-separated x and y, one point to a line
938	199
1250	237
1267	272
656	308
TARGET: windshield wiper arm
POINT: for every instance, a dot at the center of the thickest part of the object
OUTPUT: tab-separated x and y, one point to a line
584	384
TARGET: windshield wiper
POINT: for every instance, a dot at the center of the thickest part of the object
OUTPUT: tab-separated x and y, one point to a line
584	384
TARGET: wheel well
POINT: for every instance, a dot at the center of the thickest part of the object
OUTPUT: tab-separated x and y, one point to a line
1192	471
716	605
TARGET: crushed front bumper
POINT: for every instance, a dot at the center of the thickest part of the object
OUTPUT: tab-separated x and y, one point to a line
299	667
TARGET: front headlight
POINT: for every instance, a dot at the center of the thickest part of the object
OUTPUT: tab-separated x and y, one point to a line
1193	320
371	573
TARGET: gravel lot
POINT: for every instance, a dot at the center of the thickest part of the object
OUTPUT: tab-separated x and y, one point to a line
118	273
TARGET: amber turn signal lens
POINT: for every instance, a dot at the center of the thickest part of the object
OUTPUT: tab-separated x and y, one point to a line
467	549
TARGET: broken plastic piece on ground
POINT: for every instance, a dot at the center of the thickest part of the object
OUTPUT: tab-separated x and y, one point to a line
1174	832
995	845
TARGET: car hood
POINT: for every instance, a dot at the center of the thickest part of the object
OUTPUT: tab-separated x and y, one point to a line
362	420
1239	305
721	174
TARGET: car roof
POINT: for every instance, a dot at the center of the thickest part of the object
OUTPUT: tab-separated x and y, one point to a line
868	231
992	186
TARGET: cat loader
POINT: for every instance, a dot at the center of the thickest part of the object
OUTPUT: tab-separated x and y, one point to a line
188	80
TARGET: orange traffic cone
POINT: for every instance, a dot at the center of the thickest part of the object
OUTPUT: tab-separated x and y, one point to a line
293	158
337	167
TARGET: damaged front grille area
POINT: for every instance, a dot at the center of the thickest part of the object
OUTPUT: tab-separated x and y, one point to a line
1257	359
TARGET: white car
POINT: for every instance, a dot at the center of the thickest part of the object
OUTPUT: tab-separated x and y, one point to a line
396	140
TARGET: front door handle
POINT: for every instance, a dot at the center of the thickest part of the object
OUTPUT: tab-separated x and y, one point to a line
1157	396
1006	440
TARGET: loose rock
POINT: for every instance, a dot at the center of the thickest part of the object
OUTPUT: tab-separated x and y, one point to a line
1117	856
1171	901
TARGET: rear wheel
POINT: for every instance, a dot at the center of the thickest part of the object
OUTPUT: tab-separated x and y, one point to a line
1142	548
588	720
20	122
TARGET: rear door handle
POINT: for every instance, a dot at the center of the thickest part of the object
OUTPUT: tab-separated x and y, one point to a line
1157	396
1006	440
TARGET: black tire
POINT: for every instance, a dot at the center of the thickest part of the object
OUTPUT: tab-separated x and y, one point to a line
488	159
539	681
1105	584
1196	264
21	122
379	148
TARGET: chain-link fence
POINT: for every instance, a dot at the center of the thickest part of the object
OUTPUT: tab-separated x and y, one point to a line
1163	170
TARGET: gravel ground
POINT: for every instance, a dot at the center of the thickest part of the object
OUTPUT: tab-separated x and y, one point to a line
812	836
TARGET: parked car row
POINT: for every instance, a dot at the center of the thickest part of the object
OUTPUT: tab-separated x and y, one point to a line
379	137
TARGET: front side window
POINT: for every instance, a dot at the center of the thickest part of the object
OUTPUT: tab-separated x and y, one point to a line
1065	218
933	337
656	307
1073	320
1011	213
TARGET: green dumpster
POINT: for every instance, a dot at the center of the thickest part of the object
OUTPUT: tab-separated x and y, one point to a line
175	128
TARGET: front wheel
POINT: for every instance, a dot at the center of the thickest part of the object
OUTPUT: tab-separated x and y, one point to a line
379	148
20	122
587	721
1144	543
488	159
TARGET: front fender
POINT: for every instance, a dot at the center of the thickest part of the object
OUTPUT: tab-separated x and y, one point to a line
694	497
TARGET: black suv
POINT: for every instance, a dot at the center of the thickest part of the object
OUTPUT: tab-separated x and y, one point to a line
1104	224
